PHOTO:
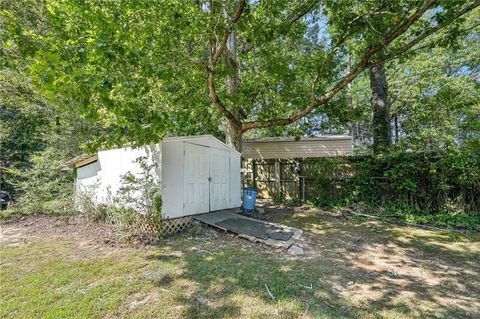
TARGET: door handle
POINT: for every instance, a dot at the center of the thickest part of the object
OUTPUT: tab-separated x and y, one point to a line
209	179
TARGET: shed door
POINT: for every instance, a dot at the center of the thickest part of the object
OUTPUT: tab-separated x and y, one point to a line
196	180
219	185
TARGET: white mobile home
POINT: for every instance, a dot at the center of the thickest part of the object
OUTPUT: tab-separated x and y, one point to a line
196	174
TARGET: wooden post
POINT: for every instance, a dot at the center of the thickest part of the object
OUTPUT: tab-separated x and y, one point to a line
303	189
278	183
254	174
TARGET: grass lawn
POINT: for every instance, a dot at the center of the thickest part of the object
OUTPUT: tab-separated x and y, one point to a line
52	267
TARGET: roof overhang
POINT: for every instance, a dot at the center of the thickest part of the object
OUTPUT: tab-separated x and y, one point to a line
193	137
79	161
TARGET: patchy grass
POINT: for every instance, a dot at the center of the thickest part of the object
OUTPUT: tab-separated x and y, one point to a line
445	220
54	267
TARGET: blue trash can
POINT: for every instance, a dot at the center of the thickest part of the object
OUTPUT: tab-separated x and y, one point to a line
249	198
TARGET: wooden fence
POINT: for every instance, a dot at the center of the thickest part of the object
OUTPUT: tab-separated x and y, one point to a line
278	179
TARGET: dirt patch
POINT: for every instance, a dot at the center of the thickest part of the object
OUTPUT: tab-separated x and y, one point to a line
90	239
75	227
104	240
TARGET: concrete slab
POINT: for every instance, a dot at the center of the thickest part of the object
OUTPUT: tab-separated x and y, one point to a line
275	235
216	217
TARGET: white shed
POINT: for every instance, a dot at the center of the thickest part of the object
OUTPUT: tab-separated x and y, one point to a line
196	174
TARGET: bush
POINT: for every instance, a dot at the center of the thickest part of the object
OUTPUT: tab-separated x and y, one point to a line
416	184
60	207
331	179
141	192
420	182
43	187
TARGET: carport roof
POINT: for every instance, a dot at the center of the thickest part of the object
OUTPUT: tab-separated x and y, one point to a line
294	139
305	147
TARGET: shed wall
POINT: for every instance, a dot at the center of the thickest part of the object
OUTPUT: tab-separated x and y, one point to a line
172	179
102	179
87	182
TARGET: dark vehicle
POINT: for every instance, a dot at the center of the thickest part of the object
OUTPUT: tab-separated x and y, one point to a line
4	199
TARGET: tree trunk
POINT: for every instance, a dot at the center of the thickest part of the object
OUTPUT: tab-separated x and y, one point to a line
233	136
395	118
382	130
232	130
351	125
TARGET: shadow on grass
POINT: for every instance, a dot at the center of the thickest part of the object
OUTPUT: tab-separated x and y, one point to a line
357	270
437	269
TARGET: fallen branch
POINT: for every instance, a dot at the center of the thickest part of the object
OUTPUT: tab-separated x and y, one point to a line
270	293
464	232
305	313
306	287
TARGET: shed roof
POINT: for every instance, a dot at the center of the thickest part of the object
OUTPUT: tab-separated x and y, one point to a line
193	137
305	147
84	159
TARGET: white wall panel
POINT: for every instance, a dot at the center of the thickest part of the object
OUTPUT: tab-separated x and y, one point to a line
172	179
101	180
235	180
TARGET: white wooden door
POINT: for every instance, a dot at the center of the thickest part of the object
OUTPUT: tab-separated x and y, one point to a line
219	184
196	179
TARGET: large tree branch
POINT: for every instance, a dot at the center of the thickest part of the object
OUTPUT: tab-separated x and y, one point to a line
216	52
303	11
349	77
345	35
424	35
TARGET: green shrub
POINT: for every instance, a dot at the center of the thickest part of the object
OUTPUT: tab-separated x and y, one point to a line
331	179
136	207
142	192
60	207
444	185
96	213
446	220
43	188
418	182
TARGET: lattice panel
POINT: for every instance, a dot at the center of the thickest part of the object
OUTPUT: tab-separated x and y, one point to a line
142	225
172	226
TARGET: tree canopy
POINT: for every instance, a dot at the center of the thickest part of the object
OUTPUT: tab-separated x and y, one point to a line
142	69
